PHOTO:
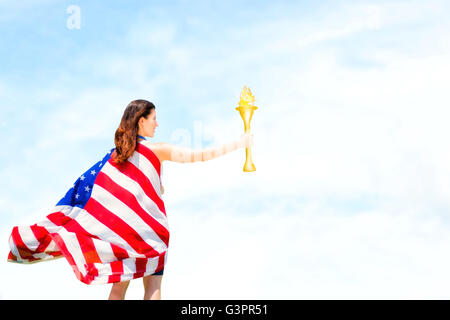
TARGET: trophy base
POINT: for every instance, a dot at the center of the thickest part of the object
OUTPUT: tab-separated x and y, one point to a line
250	167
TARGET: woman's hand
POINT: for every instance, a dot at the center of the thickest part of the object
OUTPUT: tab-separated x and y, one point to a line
245	141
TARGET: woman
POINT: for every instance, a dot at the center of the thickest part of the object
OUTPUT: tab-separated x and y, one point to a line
111	226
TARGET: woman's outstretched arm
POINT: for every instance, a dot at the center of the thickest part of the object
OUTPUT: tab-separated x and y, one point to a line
170	152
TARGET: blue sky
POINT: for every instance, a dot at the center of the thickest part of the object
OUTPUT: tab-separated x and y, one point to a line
352	183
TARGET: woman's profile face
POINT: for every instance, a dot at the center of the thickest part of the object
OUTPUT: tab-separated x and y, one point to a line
147	126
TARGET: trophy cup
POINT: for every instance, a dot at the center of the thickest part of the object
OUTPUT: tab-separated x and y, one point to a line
246	109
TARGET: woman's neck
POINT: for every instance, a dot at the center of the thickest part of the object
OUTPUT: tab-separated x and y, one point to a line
141	137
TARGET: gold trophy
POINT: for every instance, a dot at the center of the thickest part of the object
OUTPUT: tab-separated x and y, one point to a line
246	109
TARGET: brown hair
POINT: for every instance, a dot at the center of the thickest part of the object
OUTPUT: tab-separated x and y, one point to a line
125	138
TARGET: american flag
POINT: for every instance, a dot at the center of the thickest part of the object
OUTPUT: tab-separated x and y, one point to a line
111	226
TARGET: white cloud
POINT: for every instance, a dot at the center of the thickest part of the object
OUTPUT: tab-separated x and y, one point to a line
311	252
307	254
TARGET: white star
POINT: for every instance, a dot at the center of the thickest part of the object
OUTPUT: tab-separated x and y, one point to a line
100	164
87	189
82	178
77	196
93	172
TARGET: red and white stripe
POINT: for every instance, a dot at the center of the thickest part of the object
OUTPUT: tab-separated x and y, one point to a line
122	233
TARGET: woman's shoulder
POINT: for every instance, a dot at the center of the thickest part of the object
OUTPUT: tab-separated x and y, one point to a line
152	144
155	147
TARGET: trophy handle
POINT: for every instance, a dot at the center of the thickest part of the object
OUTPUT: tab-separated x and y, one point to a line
246	115
248	165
